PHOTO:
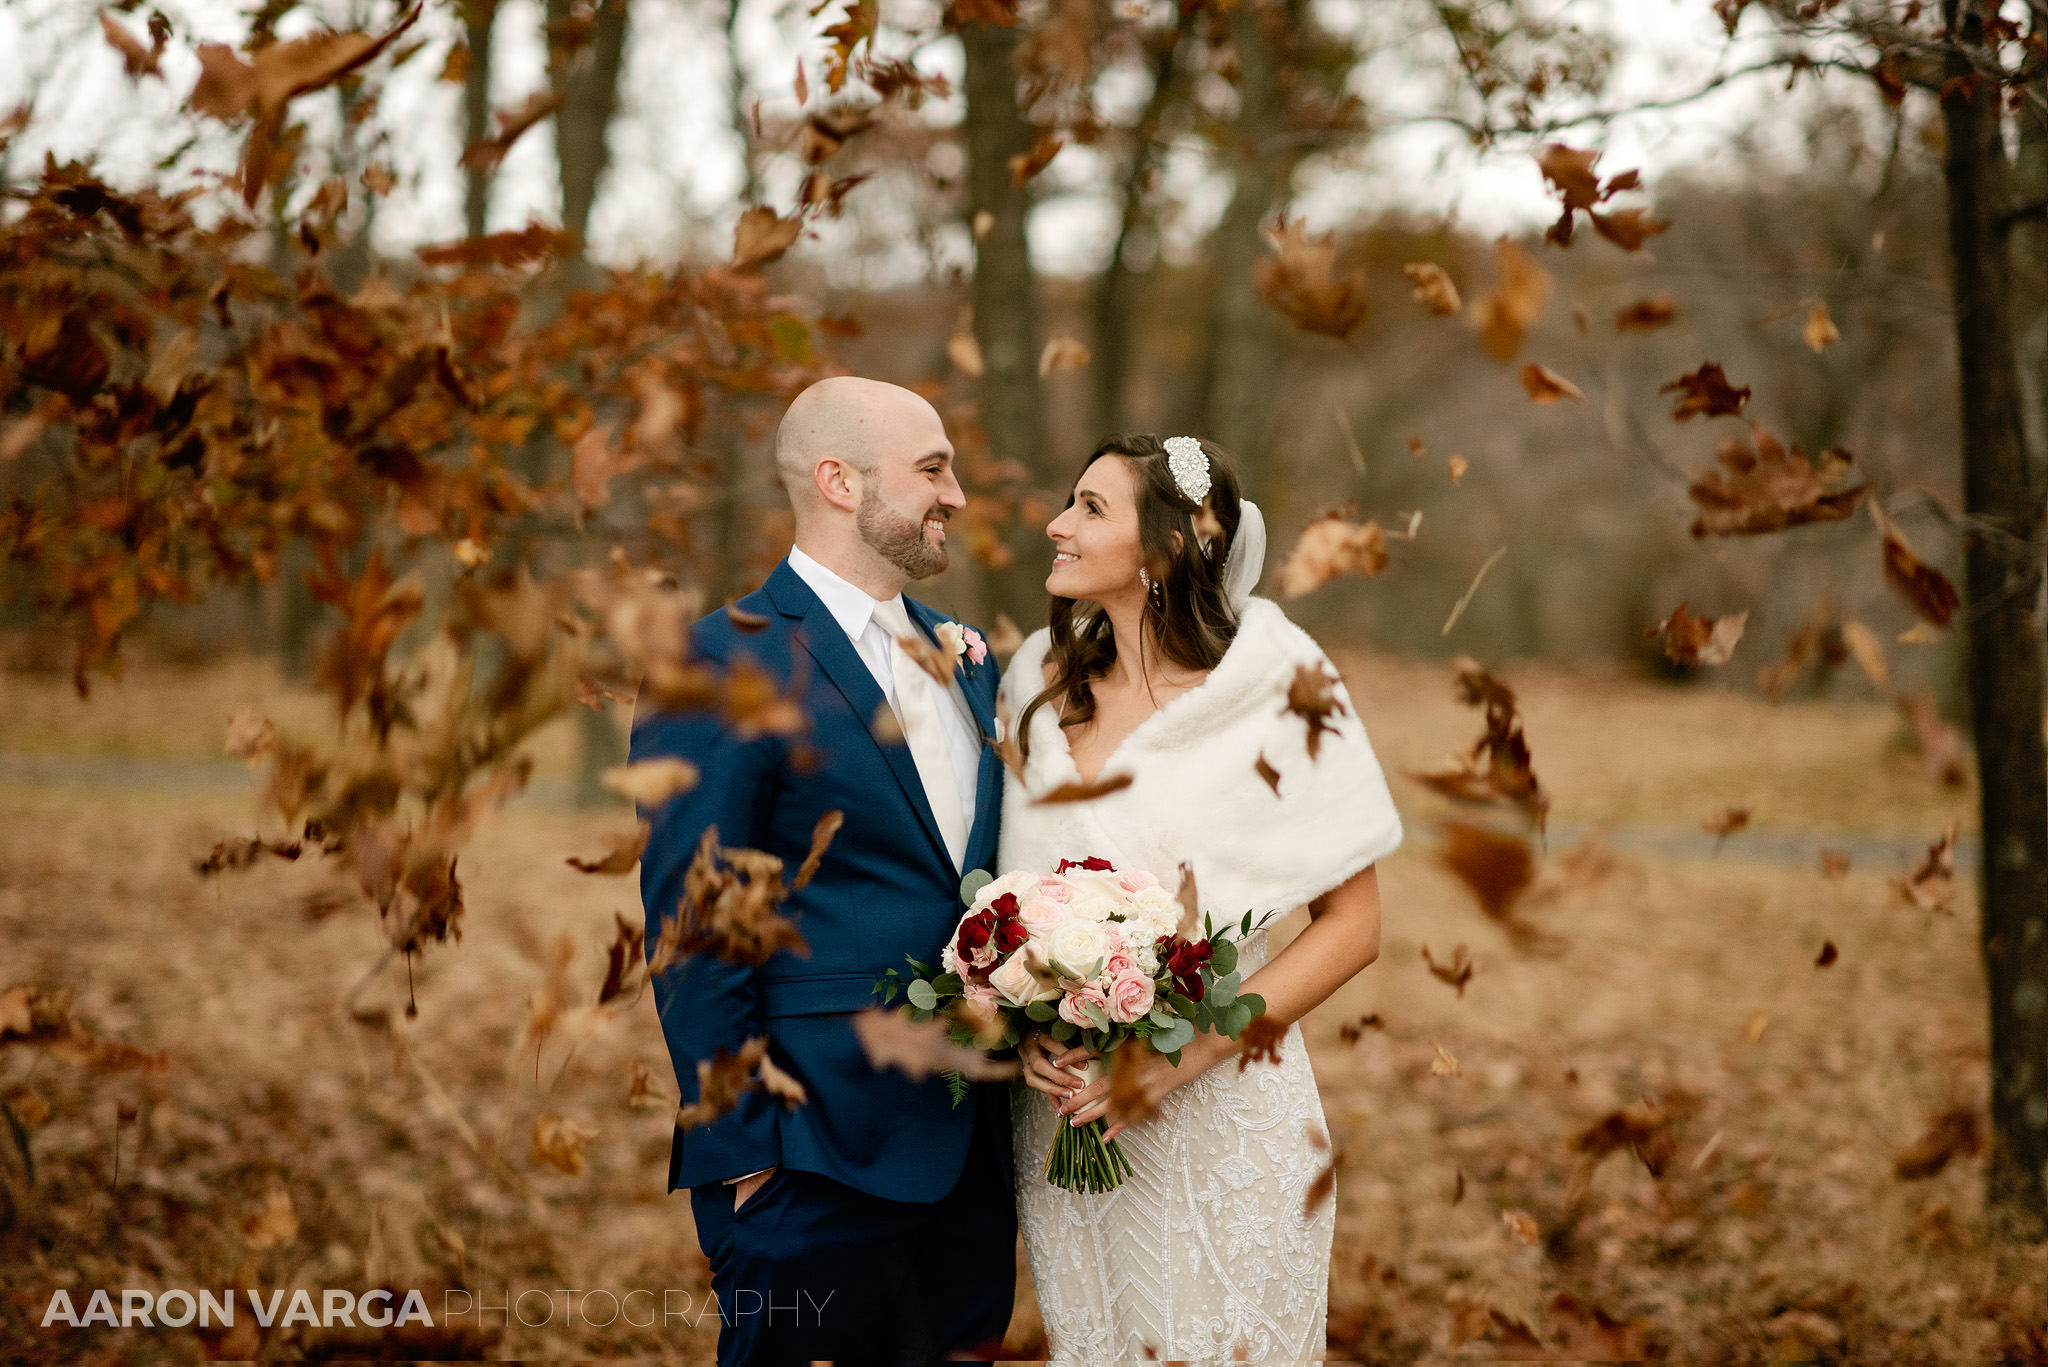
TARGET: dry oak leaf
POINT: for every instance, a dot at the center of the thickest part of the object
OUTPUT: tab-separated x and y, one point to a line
1690	641
1260	1042
1828	954
1646	1129
1129	1101
1521	1226
1644	314
1330	546
625	961
1868	652
729	1074
1570	171
1062	353
1627	229
1300	279
1520	293
821	840
1725	823
644	1092
1445	1064
761	236
1765	489
1820	331
1433	288
1930	592
228	87
1025	165
1834	864
890	1039
509	126
1706	392
1931	884
1457	972
651	782
1312	696
1081	790
138	61
558	1142
1955	1133
1547	386
964	351
1351	1031
1936	741
621	853
1324	1183
1266	772
1496	868
729	909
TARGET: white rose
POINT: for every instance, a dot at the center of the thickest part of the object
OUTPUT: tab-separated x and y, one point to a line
1156	902
1021	885
1022	979
1077	947
1091	904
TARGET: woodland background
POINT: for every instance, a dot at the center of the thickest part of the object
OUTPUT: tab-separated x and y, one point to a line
390	540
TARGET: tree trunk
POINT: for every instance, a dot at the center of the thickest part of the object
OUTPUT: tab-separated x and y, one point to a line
1243	362
2003	584
730	521
1116	293
588	80
1005	299
477	19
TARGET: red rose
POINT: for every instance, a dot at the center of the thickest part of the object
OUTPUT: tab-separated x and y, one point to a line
1093	864
1184	960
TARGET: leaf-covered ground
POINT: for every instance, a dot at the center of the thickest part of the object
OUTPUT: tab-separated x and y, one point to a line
306	1132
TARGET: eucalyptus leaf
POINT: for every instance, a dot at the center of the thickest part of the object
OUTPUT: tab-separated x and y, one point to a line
973	883
1095	1014
1223	956
1240	1017
1042	1011
1254	1001
921	995
1161	1017
947	984
1223	992
1063	1030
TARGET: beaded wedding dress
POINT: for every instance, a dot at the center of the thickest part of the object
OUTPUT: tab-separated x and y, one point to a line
1204	1253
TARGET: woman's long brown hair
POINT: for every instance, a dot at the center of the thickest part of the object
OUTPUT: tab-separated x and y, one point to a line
1187	613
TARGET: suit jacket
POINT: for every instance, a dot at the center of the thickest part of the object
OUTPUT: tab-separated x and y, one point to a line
886	889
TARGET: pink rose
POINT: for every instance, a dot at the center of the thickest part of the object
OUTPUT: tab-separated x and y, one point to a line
1041	914
1070	1005
1119	960
979	992
977	649
1130	997
1055	889
1137	880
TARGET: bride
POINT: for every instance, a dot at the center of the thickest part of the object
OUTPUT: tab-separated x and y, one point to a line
1159	664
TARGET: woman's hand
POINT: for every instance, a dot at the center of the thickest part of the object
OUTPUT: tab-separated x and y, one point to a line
1156	1077
1058	1077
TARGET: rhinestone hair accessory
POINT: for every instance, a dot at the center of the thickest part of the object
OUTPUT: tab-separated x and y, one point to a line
1190	466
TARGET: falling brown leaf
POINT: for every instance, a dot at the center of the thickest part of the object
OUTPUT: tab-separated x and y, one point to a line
1061	353
756	706
1300	279
651	782
1521	1226
558	1142
1646	1129
1328	547
1706	393
250	737
1445	1064
890	1039
964	351
593	461
1590	1334
1936	741
1260	1042
1765	489
1545	385
1570	170
928	657
1691	641
1868	652
509	126
762	236
1433	288
1496	868
1324	1184
621	852
1025	165
821	841
1645	314
1457	972
1919	583
1188	894
1130	1101
1520	293
730	1074
1498	767
729	909
644	1092
138	61
1350	1031
743	620
1312	696
1828	954
1956	1133
1265	770
276	1223
1931	884
1004	637
1082	791
1457	466
1820	331
1725	823
625	961
1627	229
828	130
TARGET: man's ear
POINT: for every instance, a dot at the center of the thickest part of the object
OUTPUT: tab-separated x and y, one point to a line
838	483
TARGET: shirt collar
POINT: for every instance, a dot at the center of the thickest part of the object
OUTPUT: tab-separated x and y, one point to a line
850	605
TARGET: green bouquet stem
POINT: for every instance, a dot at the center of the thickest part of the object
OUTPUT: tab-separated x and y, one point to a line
1080	1159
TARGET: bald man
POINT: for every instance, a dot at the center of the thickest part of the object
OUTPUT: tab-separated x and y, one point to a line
875	1223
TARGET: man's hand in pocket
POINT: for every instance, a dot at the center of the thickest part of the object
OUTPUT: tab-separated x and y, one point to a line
748	1186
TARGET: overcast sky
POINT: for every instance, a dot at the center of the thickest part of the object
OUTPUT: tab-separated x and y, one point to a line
675	163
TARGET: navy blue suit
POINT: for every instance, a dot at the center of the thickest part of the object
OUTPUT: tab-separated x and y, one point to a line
891	1208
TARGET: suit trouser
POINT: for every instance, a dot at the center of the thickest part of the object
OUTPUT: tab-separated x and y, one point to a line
810	1269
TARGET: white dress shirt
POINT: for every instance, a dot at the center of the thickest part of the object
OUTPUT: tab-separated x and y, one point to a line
854	610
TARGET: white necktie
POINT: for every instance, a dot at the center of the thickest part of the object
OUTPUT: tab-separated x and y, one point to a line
917	709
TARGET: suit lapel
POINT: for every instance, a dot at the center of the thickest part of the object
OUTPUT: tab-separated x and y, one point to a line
988	770
826	641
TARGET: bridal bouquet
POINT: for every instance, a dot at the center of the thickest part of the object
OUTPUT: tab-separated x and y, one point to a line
1092	955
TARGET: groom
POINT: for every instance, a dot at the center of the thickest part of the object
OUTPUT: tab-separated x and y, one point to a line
875	1223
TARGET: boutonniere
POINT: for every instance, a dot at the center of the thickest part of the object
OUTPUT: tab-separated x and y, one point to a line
960	641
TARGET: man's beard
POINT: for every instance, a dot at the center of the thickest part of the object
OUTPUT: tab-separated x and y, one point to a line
898	539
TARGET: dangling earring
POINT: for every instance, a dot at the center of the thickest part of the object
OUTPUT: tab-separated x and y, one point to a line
1144	579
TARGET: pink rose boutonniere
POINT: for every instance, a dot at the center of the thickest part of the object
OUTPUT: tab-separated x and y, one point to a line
961	642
